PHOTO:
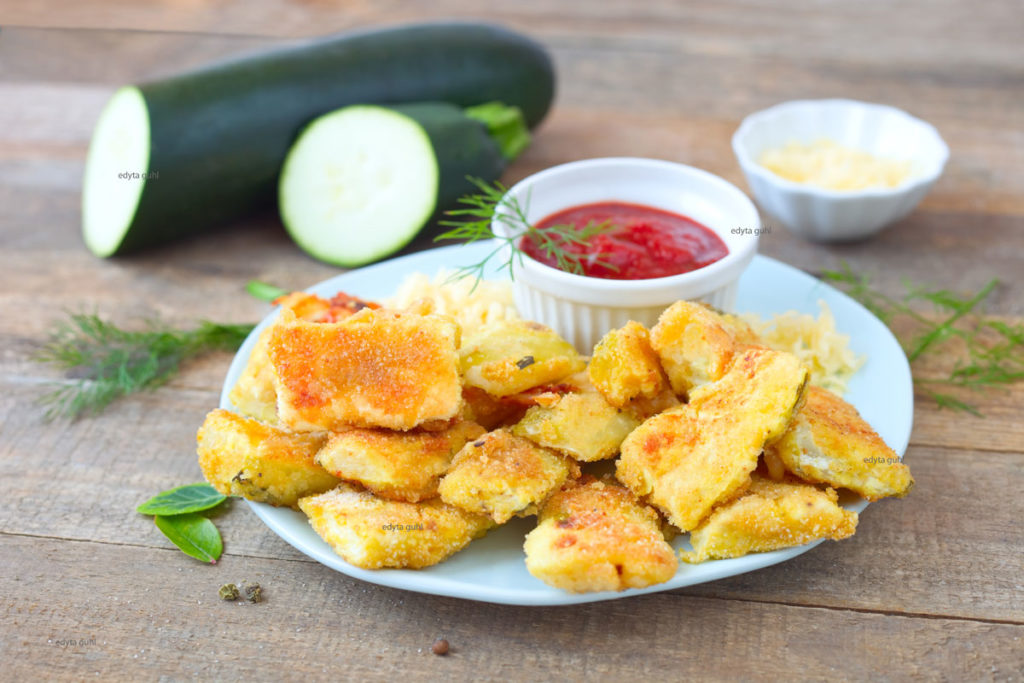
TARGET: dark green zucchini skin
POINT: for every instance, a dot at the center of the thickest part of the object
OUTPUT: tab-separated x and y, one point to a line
463	148
220	135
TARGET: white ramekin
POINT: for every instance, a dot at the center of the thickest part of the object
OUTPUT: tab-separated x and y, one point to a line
824	215
582	309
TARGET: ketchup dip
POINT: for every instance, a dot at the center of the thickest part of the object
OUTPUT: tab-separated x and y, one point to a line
642	243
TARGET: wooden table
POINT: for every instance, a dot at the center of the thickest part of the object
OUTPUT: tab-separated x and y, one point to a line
931	587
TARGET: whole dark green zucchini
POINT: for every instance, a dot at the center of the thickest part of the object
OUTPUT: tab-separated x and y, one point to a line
176	157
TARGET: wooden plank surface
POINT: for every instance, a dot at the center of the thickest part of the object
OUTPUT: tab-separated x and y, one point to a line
318	624
930	587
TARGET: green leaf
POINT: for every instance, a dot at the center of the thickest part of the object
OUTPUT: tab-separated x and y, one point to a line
264	291
194	534
183	499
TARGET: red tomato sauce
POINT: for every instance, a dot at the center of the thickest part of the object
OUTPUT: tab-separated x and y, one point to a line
643	243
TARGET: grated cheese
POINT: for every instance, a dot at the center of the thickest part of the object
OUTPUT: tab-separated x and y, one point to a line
827	164
472	309
815	341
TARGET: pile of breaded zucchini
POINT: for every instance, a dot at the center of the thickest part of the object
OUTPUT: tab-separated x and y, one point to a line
403	437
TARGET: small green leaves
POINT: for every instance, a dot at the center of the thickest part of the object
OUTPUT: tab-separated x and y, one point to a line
194	534
177	516
264	291
177	501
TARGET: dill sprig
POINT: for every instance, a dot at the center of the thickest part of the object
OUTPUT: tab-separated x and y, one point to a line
105	362
472	223
991	352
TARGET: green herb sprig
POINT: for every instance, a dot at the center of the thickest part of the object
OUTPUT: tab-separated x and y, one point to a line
472	223
105	362
992	352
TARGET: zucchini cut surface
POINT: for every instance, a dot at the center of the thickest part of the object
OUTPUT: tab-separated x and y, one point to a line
358	185
116	171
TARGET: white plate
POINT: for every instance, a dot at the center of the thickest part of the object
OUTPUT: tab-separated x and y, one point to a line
492	568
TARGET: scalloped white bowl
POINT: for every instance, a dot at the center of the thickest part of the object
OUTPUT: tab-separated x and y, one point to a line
582	309
824	215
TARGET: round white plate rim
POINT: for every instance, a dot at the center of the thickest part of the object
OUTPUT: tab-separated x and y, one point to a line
896	423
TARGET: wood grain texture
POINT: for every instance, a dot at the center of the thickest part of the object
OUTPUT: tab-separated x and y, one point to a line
928	589
319	624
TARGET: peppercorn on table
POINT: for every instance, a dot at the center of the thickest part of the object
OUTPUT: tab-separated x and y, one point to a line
928	588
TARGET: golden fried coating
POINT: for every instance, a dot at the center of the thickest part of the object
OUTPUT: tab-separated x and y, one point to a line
624	366
740	329
773	465
241	456
696	345
396	465
768	516
644	407
595	536
691	458
830	443
502	475
490	412
581	425
547	395
762	385
512	356
372	533
254	393
374	369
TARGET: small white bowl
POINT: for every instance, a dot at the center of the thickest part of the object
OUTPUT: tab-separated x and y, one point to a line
582	309
836	215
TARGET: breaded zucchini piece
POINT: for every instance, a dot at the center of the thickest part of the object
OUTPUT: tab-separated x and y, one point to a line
254	394
512	356
830	443
762	385
241	456
740	329
691	458
376	368
595	536
502	476
583	426
773	465
696	345
768	516
372	533
490	412
396	465
625	366
644	407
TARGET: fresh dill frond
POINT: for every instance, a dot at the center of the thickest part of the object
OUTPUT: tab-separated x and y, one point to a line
104	362
472	223
990	352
